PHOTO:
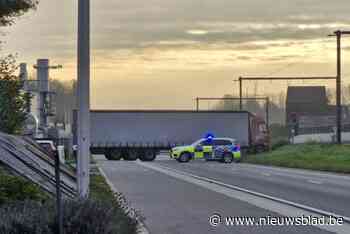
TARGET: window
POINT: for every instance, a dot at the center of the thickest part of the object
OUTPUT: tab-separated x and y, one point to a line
222	142
206	143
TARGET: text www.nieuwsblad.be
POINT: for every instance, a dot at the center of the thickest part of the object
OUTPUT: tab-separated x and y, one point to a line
217	219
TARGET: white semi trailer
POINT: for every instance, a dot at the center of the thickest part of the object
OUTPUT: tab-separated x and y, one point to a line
133	134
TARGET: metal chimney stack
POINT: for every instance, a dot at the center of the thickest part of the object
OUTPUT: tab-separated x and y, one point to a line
43	87
23	75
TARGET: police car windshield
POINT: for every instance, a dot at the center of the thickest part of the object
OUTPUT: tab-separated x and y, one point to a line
197	142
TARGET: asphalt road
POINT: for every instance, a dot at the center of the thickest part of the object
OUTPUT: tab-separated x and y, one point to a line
174	203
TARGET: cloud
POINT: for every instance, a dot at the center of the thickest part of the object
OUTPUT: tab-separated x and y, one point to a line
244	58
197	32
164	43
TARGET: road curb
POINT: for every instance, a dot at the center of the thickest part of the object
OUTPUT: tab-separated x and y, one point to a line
141	228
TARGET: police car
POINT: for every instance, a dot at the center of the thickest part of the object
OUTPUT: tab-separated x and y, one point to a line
210	148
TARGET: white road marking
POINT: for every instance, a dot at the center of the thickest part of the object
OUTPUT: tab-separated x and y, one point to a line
263	201
266	174
315	182
297	171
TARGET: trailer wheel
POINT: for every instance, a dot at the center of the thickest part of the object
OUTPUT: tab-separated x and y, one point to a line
148	155
260	149
130	155
115	154
184	157
108	155
227	158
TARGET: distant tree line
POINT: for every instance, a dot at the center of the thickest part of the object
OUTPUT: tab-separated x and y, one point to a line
276	106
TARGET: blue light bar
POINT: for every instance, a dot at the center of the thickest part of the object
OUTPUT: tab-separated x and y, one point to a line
209	136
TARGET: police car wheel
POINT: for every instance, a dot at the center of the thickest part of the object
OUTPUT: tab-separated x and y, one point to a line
227	158
184	157
237	160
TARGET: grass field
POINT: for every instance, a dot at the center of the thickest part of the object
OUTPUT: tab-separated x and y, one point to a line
325	157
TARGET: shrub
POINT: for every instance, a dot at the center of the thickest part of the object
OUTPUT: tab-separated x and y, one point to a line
80	217
279	143
25	217
13	188
91	217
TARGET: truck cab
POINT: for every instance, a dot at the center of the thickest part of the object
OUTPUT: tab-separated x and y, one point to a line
260	140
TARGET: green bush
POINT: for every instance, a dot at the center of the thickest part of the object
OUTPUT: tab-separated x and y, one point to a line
13	188
80	217
25	217
97	217
279	143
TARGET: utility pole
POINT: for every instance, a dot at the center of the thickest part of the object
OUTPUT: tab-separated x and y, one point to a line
339	34
267	106
339	107
59	206
83	127
240	94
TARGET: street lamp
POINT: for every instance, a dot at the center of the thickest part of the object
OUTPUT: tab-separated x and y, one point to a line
339	34
83	123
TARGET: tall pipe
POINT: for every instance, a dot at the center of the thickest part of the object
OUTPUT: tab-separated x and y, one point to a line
23	74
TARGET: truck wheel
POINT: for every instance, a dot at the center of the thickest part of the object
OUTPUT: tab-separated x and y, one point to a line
260	149
227	158
148	155
115	154
184	157
131	155
108	155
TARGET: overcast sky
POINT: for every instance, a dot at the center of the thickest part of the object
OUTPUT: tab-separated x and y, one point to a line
164	53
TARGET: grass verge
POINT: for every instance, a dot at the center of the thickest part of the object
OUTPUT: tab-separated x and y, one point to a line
322	157
99	189
126	221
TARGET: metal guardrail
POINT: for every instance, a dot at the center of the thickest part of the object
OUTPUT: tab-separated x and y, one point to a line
30	162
